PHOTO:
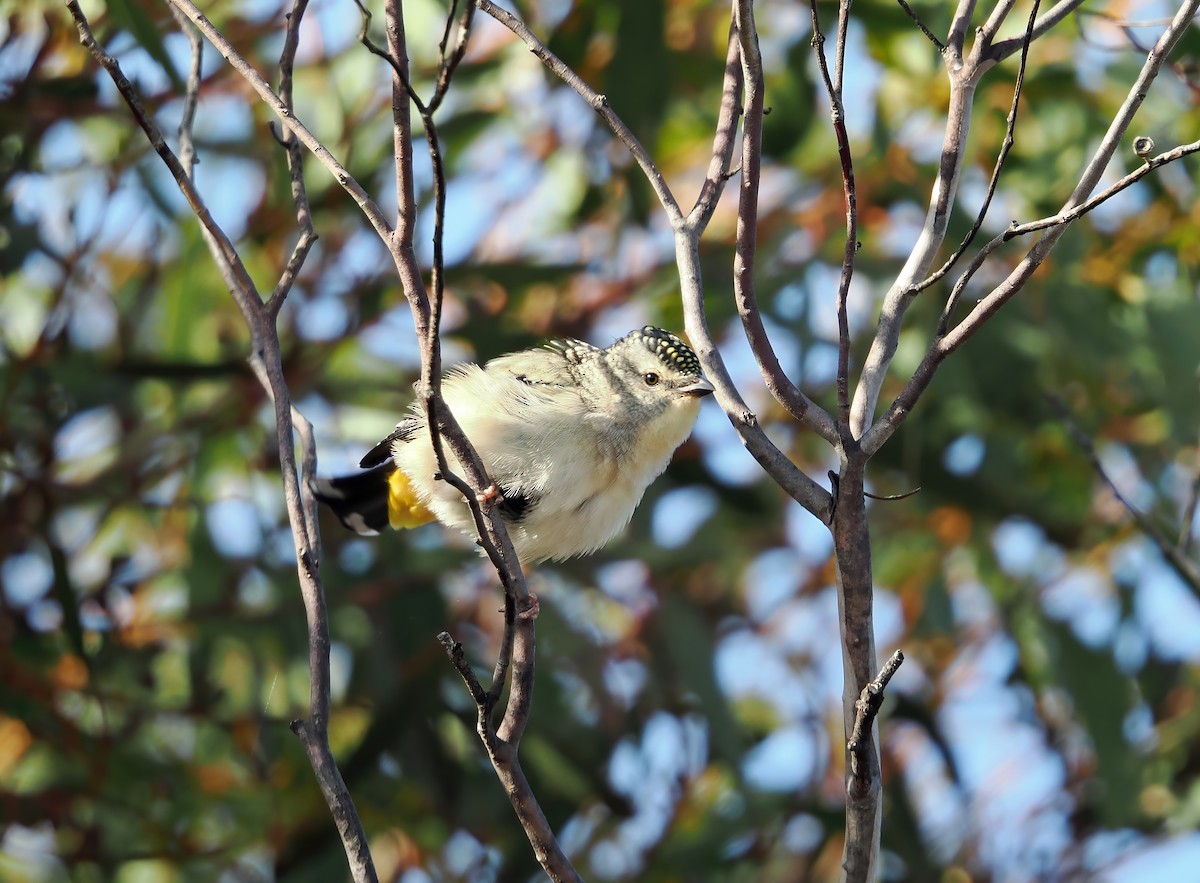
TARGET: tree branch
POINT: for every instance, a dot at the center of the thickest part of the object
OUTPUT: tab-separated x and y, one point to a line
922	27
518	647
723	139
837	113
295	162
1055	14
266	361
595	101
855	589
957	37
1176	557
290	122
1076	205
933	233
964	77
744	291
1005	147
867	708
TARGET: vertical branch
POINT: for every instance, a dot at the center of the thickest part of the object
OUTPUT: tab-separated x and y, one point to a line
855	591
837	113
295	163
723	139
266	361
1005	147
745	296
518	646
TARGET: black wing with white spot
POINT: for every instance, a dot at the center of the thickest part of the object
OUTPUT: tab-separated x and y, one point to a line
382	452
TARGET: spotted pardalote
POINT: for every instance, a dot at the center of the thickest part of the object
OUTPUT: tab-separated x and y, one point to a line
571	434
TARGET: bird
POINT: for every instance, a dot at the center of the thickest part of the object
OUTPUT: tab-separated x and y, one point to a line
571	435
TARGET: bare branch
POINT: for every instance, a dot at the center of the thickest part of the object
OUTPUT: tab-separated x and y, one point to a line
838	117
295	162
1005	147
868	706
518	645
933	233
1183	566
957	37
943	345
724	139
595	101
241	286
1069	215
783	471
267	364
855	592
929	35
1058	220
745	295
345	180
450	62
1055	14
191	95
988	30
869	702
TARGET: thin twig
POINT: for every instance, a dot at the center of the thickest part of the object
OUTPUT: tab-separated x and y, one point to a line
929	35
1005	147
838	118
867	706
240	284
1057	221
295	162
1175	556
724	140
449	63
595	101
480	493
744	290
191	95
892	497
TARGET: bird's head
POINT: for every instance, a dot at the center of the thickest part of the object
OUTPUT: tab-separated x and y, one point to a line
655	370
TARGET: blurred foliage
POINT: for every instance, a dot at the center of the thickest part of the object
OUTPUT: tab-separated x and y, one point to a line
687	723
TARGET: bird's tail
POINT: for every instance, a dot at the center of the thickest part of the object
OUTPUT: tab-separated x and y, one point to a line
373	499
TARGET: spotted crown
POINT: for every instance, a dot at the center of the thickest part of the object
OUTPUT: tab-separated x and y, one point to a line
671	351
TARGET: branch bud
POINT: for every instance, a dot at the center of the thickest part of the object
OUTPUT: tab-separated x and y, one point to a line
1143	146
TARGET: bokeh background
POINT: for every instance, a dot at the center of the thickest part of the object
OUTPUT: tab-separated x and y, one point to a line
686	724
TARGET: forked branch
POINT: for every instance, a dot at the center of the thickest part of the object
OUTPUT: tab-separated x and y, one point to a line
266	361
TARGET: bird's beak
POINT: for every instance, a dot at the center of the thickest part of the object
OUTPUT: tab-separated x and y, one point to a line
697	389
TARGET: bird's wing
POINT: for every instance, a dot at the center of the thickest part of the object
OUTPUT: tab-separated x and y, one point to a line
574	351
382	452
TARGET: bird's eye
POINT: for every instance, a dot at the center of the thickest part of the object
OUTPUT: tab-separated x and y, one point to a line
651	378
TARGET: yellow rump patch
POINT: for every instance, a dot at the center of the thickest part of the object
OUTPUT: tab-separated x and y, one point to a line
405	508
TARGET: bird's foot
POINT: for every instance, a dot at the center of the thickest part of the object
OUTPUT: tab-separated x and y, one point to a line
531	610
489	495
